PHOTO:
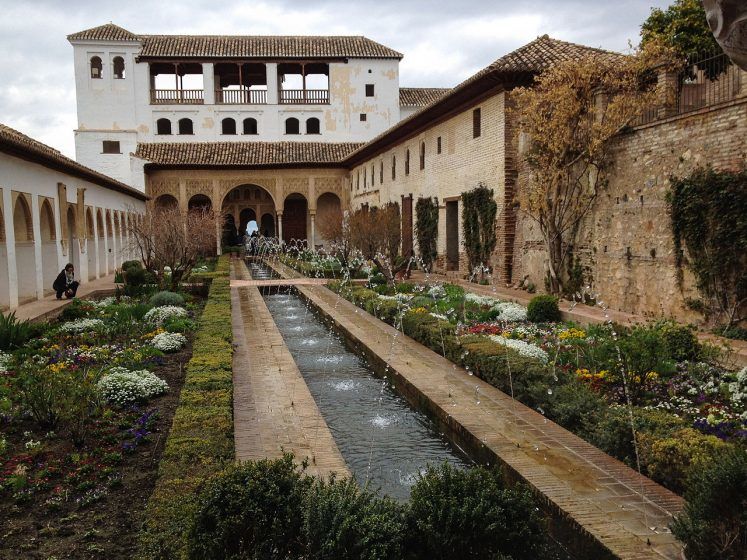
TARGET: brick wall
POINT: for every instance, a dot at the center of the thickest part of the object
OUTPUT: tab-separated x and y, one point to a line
625	242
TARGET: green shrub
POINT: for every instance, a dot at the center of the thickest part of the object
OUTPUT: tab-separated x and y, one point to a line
421	301
77	309
574	406
714	521
14	333
454	292
128	265
250	511
179	325
404	288
135	277
472	514
680	341
671	460
543	309
343	522
167	298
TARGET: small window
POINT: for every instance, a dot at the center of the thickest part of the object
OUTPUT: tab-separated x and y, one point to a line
438	145
250	126
96	68
407	162
111	147
422	155
373	175
228	126
119	68
369	90
312	126
394	167
365	179
358	181
363	117
292	126
163	126
381	172
476	124
185	126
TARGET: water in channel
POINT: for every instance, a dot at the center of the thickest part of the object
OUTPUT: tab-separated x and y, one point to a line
382	439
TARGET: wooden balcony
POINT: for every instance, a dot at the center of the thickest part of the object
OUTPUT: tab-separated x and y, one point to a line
304	96
177	96
241	96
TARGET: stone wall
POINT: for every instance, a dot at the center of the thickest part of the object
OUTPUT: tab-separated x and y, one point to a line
625	243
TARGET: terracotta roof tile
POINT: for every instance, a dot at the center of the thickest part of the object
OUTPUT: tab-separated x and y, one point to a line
229	154
420	97
18	144
108	32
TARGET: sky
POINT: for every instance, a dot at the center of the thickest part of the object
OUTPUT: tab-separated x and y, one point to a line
443	42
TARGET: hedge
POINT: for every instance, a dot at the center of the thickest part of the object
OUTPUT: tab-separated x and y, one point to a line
200	443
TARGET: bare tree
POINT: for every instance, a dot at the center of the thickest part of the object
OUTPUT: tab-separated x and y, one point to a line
166	237
376	233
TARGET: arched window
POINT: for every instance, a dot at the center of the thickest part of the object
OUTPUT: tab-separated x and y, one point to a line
422	155
407	162
163	126
96	68
119	68
312	126
292	126
228	126
250	126
185	126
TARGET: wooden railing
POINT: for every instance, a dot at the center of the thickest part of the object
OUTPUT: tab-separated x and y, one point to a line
176	96
241	96
304	96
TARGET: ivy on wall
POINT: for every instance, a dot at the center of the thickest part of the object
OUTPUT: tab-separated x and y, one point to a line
479	210
426	230
709	223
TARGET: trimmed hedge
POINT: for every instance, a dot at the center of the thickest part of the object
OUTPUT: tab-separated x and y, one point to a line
200	443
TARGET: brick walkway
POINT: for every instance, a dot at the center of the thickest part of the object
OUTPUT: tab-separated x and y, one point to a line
50	306
604	498
273	408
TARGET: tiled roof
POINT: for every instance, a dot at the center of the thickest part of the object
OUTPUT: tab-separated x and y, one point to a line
420	97
241	154
241	46
108	32
18	144
223	46
517	67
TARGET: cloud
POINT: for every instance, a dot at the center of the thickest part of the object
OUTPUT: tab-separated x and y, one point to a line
443	42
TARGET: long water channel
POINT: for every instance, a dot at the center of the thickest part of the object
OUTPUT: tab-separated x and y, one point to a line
385	443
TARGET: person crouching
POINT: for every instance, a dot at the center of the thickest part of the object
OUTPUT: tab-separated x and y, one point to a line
66	283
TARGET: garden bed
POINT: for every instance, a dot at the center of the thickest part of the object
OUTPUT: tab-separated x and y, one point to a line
81	446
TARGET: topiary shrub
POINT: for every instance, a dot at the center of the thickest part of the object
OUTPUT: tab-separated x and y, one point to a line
249	511
343	522
543	309
472	514
127	265
714	521
680	341
167	298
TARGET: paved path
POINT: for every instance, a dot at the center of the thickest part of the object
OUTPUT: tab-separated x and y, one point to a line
50	306
603	497
273	408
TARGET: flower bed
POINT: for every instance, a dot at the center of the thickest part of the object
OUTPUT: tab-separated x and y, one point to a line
687	407
83	405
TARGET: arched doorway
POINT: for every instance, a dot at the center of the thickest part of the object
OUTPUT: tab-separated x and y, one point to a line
295	210
230	236
166	202
328	216
243	204
90	245
25	262
48	244
4	291
103	269
267	225
200	202
73	252
110	247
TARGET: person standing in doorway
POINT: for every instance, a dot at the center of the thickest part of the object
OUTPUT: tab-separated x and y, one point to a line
66	282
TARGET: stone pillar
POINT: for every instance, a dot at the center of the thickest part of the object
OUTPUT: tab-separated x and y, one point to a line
742	83
312	214
80	225
272	83
208	82
666	93
94	210
63	237
10	249
107	233
280	226
36	226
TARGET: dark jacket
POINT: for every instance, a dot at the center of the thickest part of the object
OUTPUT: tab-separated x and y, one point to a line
60	284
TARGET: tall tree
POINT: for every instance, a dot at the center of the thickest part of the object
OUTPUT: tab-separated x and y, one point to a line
682	26
570	117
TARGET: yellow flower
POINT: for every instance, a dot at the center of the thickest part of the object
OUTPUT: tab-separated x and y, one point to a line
571	333
420	310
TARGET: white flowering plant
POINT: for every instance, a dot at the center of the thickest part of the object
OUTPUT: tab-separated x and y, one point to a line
122	386
525	349
81	325
158	315
106	302
510	312
169	342
5	360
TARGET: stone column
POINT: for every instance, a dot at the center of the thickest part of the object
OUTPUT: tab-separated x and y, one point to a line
36	226
666	93
312	213
10	249
272	83
208	82
280	226
94	210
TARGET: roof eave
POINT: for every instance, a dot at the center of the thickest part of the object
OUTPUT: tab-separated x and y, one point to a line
156	166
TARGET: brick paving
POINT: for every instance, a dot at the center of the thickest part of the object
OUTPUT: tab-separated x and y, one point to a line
273	408
604	498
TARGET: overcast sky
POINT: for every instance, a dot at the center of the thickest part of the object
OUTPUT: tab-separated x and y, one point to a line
443	42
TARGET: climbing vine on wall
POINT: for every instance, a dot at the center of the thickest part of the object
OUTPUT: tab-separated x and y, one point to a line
709	222
426	229
479	210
